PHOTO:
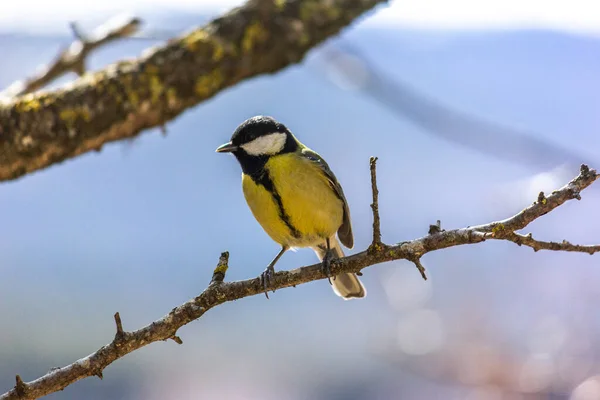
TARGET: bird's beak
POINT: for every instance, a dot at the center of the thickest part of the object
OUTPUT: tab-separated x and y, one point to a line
226	148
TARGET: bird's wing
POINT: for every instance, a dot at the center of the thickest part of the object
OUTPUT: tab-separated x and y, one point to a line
345	230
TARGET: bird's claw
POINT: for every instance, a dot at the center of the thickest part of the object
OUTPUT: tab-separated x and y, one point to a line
326	264
265	278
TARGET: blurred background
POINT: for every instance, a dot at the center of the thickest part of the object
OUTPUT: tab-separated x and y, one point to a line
471	107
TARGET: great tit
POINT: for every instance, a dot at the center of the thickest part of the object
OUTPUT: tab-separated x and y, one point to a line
294	196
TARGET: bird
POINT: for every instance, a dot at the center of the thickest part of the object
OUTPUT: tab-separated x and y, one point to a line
295	197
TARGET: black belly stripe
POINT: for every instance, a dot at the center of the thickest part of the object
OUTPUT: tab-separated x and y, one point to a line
264	179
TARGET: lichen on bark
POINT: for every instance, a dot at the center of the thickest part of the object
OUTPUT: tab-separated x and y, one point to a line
120	101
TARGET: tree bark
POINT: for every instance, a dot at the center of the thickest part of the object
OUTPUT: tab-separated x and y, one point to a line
120	101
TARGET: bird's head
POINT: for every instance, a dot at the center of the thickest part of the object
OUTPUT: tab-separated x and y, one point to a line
259	137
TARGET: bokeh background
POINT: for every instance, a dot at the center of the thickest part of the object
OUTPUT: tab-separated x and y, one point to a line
472	109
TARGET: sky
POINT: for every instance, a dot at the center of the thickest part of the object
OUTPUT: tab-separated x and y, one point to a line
135	220
42	16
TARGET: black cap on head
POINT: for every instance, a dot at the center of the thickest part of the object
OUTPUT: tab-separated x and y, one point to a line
255	127
253	158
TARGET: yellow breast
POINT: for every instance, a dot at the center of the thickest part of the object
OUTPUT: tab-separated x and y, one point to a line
304	209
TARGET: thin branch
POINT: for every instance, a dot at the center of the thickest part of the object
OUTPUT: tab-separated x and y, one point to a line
124	99
72	59
120	332
375	205
219	292
377	244
543	206
537	245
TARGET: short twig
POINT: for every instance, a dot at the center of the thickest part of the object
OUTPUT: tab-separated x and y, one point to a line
419	265
120	332
541	198
20	386
437	228
77	32
221	269
176	339
375	205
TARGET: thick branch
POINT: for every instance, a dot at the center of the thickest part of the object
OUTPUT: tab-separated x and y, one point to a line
262	36
72	59
219	292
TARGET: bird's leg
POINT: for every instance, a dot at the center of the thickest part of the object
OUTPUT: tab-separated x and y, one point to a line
326	265
267	275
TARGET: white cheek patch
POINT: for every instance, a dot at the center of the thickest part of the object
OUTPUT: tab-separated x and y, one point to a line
266	145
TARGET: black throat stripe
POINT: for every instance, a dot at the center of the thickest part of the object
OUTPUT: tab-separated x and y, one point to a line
263	178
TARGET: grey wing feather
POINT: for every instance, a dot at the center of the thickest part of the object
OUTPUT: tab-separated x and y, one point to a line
345	230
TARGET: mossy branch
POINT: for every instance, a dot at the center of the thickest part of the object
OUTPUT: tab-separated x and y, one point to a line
219	291
120	101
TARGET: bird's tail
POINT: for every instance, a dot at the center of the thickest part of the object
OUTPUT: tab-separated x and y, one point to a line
347	286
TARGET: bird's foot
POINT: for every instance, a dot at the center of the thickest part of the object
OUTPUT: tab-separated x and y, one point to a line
326	264
265	278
